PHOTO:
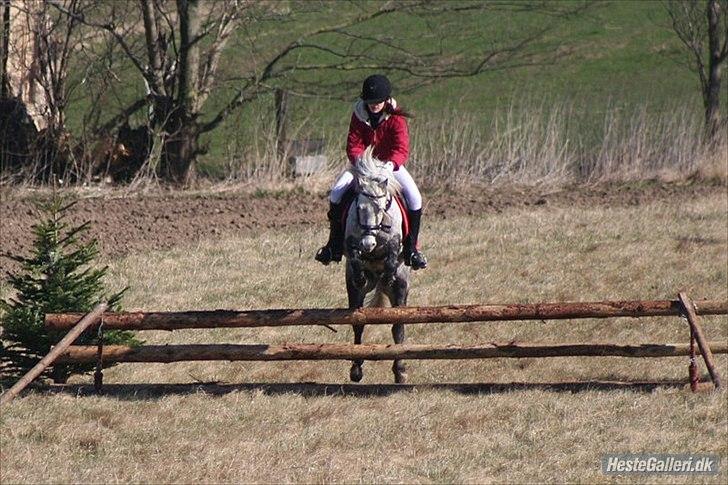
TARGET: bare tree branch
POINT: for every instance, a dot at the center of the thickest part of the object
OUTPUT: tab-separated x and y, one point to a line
185	41
111	28
696	23
414	64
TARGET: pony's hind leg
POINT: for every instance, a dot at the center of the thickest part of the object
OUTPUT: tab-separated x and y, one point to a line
356	372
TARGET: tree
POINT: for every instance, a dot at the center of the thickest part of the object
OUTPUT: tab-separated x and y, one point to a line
57	277
177	70
695	23
39	44
321	51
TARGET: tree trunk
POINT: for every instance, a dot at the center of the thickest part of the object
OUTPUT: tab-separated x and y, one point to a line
712	95
181	148
4	80
281	106
178	116
22	60
189	57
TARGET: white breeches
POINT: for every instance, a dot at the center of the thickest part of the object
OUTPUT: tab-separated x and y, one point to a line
411	193
341	185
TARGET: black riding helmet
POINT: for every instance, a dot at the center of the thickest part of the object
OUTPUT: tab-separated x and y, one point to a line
376	88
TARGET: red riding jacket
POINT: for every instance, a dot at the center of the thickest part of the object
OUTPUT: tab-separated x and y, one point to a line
390	138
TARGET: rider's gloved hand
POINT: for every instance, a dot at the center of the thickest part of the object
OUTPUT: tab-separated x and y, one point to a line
389	166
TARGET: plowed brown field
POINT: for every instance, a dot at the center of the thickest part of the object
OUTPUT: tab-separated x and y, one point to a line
125	224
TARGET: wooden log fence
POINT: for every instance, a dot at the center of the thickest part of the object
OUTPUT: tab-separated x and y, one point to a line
683	306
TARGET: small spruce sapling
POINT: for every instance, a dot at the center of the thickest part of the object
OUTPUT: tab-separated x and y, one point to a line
57	277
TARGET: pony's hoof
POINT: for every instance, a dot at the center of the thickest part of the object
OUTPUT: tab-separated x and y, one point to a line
355	374
400	378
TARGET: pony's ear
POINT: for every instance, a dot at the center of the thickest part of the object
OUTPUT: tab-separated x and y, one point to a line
383	183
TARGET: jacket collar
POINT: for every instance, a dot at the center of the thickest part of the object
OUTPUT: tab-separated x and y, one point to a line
360	111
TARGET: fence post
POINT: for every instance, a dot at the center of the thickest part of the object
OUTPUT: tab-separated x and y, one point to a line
697	330
99	374
693	366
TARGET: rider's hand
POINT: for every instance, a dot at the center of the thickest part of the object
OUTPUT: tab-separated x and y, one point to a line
389	166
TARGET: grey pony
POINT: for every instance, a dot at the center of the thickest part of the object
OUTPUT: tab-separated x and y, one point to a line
375	269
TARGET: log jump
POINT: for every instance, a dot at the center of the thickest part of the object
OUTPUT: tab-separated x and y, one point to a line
683	306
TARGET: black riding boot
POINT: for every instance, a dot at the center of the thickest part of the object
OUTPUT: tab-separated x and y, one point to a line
412	256
335	246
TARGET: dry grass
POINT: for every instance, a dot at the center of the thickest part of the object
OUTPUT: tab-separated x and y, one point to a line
523	435
528	142
414	437
554	144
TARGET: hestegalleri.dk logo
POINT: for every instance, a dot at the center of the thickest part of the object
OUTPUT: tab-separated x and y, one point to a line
660	463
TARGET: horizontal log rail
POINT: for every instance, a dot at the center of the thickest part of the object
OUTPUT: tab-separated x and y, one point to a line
387	316
297	351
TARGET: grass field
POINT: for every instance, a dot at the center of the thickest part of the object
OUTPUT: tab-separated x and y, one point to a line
617	105
617	59
514	434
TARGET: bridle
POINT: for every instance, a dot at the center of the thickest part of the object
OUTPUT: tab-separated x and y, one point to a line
371	230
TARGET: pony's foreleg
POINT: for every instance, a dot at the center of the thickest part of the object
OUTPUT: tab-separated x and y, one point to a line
398	367
355	292
391	263
356	372
401	290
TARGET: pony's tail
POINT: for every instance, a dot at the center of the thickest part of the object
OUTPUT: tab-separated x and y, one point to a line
376	298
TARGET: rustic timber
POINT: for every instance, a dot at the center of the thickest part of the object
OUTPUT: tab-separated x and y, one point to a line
388	316
297	351
697	332
61	347
693	365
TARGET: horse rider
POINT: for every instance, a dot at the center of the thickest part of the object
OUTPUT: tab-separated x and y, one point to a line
378	121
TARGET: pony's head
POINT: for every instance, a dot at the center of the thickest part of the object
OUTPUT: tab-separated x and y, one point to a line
376	186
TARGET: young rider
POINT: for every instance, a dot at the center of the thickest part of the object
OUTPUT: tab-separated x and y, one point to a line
377	121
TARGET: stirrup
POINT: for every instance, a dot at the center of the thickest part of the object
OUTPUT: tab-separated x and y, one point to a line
416	260
326	255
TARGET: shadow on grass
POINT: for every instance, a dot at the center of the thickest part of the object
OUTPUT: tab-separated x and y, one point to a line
315	389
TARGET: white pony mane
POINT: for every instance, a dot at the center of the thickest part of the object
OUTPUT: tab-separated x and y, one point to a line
369	169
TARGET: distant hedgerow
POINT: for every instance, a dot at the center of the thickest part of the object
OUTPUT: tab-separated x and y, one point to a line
57	277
